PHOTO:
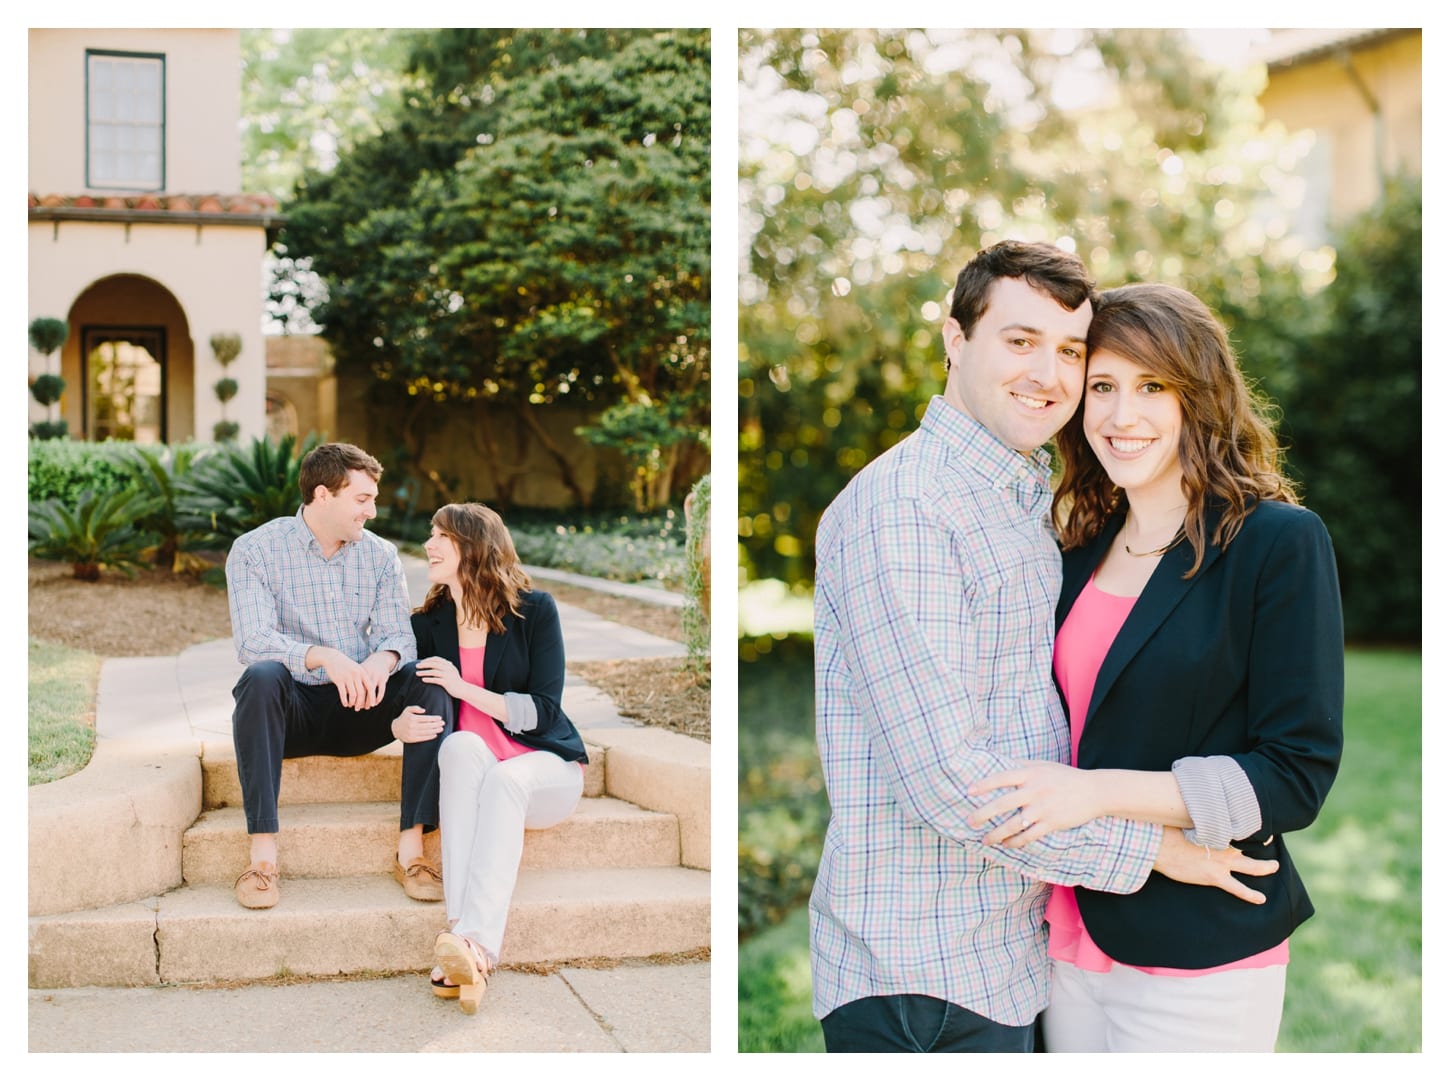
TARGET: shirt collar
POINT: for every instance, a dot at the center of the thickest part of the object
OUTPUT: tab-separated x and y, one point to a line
981	451
305	538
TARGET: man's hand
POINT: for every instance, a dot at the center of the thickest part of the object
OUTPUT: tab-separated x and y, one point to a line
360	686
415	726
377	669
1186	862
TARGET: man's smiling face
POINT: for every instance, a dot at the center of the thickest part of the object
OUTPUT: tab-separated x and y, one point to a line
1020	374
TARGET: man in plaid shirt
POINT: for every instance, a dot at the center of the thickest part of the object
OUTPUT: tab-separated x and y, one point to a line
937	577
320	618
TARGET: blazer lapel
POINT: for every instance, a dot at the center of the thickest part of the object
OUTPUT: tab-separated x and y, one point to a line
497	646
445	632
1163	593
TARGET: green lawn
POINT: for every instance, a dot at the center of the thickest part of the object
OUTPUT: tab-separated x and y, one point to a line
1355	976
62	693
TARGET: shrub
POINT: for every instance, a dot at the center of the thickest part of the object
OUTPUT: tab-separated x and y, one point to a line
45	430
47	389
226	389
1352	418
47	334
159	472
621	557
239	488
100	531
224	431
63	469
697	572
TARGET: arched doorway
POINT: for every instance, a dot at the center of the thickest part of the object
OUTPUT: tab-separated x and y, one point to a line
129	363
124	385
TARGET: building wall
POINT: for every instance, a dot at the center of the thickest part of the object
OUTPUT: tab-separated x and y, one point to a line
203	104
1320	95
207	278
453	448
299	370
214	274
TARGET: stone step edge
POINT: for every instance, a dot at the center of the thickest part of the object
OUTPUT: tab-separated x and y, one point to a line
632	836
363	925
112	832
375	775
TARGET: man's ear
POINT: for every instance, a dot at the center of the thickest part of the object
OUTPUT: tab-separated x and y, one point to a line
952	340
320	493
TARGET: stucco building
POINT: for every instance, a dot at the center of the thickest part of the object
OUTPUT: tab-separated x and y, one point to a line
1360	92
139	235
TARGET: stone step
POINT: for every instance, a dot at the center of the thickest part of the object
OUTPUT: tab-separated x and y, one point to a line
362	924
366	778
336	840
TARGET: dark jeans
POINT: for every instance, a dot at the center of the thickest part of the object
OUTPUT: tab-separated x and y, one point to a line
918	1023
276	717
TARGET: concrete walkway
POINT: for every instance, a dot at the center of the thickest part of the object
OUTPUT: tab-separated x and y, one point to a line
633	1007
189	696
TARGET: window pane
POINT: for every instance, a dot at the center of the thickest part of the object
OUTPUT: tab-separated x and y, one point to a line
126	112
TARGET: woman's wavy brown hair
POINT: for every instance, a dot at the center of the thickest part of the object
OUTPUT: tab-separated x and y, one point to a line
1227	448
488	565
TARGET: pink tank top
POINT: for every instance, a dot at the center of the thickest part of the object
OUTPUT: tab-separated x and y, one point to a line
473	719
1082	643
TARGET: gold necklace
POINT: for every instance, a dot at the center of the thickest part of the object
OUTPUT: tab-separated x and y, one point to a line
1178	536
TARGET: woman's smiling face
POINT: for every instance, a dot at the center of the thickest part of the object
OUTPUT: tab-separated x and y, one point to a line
1133	422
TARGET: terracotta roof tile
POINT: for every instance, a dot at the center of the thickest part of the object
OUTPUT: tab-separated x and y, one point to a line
244	203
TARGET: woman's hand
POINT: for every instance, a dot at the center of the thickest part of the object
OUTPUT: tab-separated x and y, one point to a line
415	726
443	673
1047	796
1186	862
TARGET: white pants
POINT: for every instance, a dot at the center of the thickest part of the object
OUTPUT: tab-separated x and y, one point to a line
484	806
1127	1010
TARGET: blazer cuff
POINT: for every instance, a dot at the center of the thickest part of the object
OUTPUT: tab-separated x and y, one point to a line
1219	798
523	714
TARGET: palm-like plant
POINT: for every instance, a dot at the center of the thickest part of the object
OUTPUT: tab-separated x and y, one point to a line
100	531
158	472
239	488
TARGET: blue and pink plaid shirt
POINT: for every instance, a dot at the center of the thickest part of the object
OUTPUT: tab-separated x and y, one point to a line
936	582
286	598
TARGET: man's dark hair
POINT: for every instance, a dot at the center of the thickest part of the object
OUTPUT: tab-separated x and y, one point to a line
329	465
1059	274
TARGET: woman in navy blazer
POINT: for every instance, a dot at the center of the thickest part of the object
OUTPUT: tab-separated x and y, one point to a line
513	760
1200	654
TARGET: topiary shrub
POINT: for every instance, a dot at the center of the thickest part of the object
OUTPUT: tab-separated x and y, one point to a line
47	389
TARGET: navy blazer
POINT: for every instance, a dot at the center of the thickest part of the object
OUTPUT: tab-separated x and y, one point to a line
1244	659
527	658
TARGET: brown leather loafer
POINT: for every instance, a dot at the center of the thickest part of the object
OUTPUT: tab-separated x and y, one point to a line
420	880
257	887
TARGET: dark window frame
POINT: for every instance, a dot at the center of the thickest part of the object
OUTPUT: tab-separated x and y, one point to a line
94	334
161	58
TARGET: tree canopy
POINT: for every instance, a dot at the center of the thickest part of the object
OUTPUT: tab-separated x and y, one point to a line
875	163
530	226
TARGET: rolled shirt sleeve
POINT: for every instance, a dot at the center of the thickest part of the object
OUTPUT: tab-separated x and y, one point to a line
1219	798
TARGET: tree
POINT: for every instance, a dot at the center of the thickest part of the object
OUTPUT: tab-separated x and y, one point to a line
1351	417
530	228
874	163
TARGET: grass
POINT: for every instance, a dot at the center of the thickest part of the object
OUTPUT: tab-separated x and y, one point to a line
62	698
1354	983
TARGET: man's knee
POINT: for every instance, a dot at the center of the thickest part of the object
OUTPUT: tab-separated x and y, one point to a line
433	698
262	680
